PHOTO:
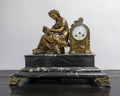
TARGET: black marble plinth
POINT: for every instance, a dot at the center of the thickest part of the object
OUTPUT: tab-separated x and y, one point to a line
61	72
50	87
61	60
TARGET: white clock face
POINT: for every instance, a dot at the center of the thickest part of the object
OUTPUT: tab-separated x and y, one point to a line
79	33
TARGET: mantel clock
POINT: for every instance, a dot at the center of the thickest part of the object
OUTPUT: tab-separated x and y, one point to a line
50	61
79	37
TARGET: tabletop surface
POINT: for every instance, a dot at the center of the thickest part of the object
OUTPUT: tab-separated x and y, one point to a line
68	87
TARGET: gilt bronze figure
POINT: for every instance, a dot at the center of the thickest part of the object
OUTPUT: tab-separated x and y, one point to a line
55	38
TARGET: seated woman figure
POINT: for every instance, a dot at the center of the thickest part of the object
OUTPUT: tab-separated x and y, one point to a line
55	37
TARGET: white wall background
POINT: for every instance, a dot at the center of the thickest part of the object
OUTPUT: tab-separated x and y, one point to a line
21	23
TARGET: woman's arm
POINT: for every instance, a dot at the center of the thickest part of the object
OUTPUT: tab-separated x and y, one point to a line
61	29
57	30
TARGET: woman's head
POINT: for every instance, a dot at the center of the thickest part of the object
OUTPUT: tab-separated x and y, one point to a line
54	14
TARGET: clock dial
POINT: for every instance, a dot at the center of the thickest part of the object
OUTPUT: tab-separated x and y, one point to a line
79	33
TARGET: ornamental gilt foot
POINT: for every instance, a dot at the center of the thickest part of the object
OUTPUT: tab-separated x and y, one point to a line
14	80
103	81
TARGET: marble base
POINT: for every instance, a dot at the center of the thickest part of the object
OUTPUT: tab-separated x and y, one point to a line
61	60
61	72
80	66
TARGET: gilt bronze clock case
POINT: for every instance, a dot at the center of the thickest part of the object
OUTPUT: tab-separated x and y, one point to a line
79	38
